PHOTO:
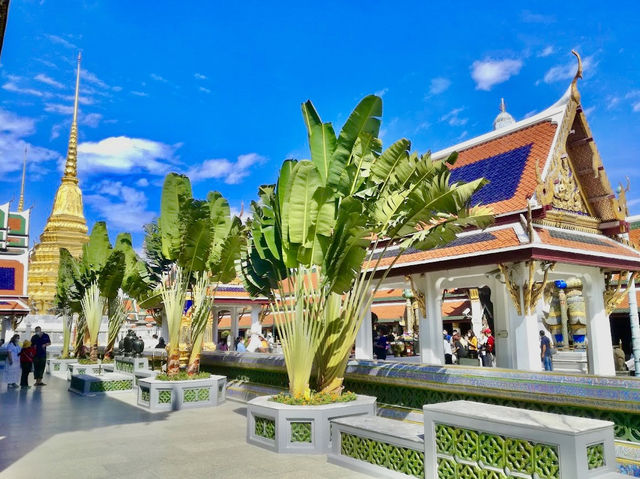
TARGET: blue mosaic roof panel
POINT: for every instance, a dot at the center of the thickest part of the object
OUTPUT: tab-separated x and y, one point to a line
503	172
7	278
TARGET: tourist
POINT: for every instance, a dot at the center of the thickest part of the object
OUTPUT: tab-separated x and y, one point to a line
161	344
264	344
381	346
240	347
448	357
2	343
472	342
459	349
40	340
545	351
12	367
26	363
486	348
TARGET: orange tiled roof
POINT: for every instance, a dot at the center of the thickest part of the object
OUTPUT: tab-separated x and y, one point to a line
389	311
455	308
539	135
585	243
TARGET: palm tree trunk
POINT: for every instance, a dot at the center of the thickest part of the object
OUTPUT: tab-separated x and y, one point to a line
94	352
173	362
194	356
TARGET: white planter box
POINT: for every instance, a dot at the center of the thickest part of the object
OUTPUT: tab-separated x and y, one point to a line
75	369
173	395
58	367
88	385
299	429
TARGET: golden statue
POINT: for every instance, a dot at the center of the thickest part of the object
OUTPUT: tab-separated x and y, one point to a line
65	228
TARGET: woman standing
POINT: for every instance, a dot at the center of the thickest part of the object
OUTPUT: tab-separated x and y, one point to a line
26	363
12	368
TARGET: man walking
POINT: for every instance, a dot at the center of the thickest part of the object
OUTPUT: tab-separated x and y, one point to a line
545	351
40	340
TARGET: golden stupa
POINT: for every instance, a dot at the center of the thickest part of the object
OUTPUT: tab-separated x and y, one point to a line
65	228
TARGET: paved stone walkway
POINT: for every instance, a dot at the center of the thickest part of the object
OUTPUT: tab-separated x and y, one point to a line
50	433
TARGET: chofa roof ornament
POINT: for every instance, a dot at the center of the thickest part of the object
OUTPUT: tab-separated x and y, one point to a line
575	94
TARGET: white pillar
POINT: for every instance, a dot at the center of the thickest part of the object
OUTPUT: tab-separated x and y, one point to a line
599	347
503	311
214	327
364	337
256	327
431	340
476	311
233	333
6	323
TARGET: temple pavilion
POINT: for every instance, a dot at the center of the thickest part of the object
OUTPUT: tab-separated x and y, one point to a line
557	218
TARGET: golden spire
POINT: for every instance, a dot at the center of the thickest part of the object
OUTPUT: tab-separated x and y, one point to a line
574	83
71	166
24	172
503	107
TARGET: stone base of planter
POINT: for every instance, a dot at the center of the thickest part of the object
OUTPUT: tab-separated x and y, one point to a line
299	429
126	364
89	385
58	367
75	369
159	395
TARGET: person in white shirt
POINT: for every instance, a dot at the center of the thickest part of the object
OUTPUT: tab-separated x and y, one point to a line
448	357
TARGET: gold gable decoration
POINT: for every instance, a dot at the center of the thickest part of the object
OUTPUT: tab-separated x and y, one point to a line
561	189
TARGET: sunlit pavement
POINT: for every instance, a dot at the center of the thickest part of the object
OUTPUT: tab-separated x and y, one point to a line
51	433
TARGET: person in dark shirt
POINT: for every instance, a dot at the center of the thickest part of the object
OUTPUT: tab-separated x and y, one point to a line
545	352
26	363
40	340
381	346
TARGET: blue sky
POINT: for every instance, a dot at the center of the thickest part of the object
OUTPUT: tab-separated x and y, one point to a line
214	89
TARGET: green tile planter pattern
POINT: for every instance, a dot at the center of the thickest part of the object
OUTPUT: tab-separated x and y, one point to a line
195	394
595	456
124	366
145	394
265	427
56	366
389	456
82	370
103	386
470	454
164	397
301	432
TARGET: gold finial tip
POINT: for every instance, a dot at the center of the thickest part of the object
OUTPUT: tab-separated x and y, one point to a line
503	107
579	71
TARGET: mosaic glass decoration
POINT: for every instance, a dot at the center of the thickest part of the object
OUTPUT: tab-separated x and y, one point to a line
265	427
595	456
7	278
300	432
396	458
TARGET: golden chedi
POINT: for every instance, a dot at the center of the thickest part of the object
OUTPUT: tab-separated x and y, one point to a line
65	228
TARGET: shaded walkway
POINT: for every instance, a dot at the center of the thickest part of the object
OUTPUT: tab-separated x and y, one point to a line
52	433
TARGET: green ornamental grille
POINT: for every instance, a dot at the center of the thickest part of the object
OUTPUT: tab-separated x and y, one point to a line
595	456
82	370
203	394
265	427
469	454
300	432
196	394
103	386
141	365
389	456
164	396
56	366
124	366
145	394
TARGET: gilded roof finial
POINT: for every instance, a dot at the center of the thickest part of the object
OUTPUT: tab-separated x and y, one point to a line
503	107
574	83
71	166
24	172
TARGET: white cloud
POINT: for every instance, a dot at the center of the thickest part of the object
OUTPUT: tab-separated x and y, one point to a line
199	76
612	102
568	70
589	111
121	206
530	113
547	51
41	77
489	72
531	17
83	100
12	87
139	93
232	172
92	120
57	108
462	135
61	41
636	107
382	92
13	129
93	79
439	85
204	90
122	154
453	117
157	77
142	183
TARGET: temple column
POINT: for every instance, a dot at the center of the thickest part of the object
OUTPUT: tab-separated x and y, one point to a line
364	337
6	323
476	311
233	333
599	346
431	341
214	327
502	313
256	327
